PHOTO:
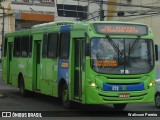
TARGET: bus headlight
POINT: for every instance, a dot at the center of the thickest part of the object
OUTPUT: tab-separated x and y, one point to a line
151	83
93	84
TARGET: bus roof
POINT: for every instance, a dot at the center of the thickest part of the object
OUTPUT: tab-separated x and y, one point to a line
55	24
51	24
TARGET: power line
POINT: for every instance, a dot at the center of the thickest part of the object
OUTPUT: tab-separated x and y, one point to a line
121	4
130	15
154	9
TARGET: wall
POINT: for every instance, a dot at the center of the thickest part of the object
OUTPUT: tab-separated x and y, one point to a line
152	20
93	7
9	19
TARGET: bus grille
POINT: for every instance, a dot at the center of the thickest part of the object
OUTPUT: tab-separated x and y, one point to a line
113	97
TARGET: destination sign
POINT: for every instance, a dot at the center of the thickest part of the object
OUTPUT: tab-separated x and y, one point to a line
107	63
128	29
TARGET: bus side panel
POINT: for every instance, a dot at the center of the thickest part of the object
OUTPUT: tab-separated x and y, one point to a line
63	69
27	73
29	76
21	66
4	67
15	72
55	78
52	76
44	83
49	77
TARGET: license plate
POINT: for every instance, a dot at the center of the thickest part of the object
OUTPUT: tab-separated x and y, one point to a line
123	95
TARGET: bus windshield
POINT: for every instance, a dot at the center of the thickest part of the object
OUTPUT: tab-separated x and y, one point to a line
122	55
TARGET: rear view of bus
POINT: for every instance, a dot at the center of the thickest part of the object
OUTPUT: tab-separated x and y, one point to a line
120	66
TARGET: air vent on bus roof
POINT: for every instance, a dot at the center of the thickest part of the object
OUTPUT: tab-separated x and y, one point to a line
54	23
43	25
65	23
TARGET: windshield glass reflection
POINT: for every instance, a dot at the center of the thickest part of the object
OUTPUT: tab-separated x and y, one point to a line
121	56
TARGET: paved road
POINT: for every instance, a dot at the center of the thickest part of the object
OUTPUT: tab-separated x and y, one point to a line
14	102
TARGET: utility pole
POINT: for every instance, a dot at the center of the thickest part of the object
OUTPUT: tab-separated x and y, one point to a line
1	7
3	26
101	11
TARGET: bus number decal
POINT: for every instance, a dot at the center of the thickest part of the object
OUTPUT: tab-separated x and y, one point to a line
115	88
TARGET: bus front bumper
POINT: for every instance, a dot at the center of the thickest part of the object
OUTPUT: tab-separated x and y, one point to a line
96	96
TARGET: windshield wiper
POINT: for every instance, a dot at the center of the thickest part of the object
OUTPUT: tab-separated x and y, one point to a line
136	40
116	48
133	45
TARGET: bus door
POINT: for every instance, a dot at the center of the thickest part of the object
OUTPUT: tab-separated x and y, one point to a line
10	46
78	61
37	48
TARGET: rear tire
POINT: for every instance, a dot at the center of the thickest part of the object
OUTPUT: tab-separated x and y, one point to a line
119	106
23	92
157	100
65	97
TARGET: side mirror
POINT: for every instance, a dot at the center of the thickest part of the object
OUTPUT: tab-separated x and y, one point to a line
157	81
156	52
87	49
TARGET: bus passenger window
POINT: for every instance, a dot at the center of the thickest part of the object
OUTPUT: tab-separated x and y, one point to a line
24	46
64	45
52	45
17	47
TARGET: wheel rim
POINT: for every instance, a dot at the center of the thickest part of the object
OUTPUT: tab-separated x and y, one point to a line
158	101
65	95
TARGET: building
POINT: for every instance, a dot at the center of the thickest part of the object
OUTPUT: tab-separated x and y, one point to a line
92	9
23	14
142	11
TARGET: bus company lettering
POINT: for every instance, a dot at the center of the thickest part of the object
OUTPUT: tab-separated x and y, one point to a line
107	63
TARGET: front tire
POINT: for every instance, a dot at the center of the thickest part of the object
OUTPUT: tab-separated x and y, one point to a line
119	106
157	100
65	97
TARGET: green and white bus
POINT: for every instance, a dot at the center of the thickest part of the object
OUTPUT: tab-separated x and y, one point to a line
87	62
